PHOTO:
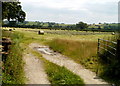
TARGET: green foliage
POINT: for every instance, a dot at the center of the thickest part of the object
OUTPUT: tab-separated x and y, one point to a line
81	25
13	72
13	10
111	64
111	73
61	76
61	26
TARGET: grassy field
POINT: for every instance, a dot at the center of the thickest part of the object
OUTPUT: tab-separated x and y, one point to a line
81	48
82	52
32	33
65	76
57	75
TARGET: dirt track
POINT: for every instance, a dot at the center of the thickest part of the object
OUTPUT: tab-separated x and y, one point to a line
85	74
34	70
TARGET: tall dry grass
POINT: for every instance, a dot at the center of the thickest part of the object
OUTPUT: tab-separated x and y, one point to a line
81	51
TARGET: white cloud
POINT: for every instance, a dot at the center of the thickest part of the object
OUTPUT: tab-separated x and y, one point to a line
64	4
71	11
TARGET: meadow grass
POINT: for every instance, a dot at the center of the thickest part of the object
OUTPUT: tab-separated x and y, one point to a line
32	33
85	53
82	52
13	72
81	48
57	75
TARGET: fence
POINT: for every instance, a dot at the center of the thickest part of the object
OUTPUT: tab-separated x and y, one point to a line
110	47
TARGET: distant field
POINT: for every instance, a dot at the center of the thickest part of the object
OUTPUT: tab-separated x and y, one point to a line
60	34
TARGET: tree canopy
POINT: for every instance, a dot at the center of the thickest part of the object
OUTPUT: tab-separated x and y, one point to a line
81	25
13	11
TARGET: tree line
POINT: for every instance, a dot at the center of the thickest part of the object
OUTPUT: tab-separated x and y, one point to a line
80	26
13	13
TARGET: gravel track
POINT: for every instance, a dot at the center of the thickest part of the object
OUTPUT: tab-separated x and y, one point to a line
34	70
61	60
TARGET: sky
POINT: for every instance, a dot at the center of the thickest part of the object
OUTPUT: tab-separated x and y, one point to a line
71	11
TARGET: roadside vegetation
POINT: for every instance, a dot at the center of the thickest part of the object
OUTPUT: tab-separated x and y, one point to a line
80	48
83	52
13	72
111	64
59	76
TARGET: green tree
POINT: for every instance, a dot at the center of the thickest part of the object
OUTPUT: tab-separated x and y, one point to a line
99	27
13	11
81	25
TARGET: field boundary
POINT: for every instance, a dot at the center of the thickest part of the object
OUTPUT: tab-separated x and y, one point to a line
106	45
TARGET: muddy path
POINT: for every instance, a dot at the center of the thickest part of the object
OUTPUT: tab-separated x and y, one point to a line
57	58
34	70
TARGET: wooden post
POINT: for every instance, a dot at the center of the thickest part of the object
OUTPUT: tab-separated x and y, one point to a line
98	54
98	47
118	50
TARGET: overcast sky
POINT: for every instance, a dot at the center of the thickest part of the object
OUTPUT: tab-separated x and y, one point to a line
71	11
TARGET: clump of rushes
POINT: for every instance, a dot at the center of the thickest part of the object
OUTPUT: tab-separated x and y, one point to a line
13	72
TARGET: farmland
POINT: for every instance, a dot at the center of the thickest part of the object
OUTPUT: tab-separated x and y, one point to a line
72	35
80	46
59	43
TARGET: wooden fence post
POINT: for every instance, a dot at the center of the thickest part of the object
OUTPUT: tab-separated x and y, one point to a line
118	50
98	47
